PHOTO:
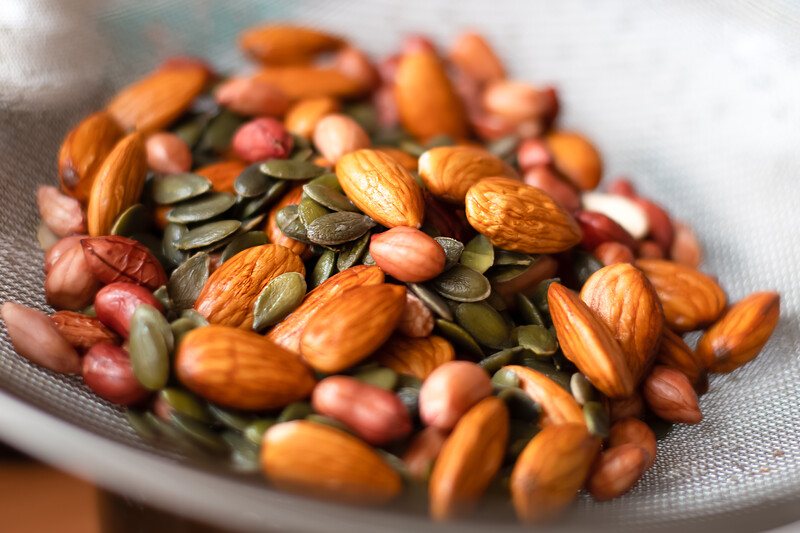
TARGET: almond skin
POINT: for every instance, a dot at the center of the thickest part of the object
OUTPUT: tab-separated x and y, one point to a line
82	331
272	230
741	333
558	405
407	254
321	461
587	341
408	161
675	353
302	117
616	471
472	54
518	217
228	296
365	317
222	174
630	407
691	299
551	470
576	158
36	338
417	319
299	82
450	391
669	395
382	188
469	459
416	357
634	431
241	369
284	44
336	135
449	171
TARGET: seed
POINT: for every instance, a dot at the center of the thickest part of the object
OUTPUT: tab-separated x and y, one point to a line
244	454
460	337
339	228
497	301
328	421
584	265
288	169
504	274
498	360
173	188
199	433
452	250
193	315
539	296
412	147
520	434
582	390
520	405
478	254
162	295
191	131
254	432
288	220
382	377
294	411
181	327
309	210
328	180
329	197
251	223
188	280
150	343
537	339
546	367
251	182
302	154
242	242
135	219
409	396
172	234
505	378
508	258
219	133
436	303
208	234
368	259
352	253
596	418
202	208
280	297
504	147
526	311
484	323
228	418
172	400
323	269
462	284
140	425
169	434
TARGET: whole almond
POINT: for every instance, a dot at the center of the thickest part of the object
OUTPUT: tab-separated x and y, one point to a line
62	214
675	353
376	415
427	103
551	470
116	302
634	431
626	302
421	454
70	283
670	395
83	151
417	319
685	247
117	185
611	253
60	248
336	135
513	100
469	459
518	217
588	342
288	332
36	338
598	229
451	390
415	356
616	471
221	174
472	54
382	188
365	316
272	230
558	405
230	292
241	369
167	153
691	299
407	254
115	258
252	97
544	178
108	372
82	331
284	44
740	334
576	158
309	81
630	407
355	64
321	461
302	117
408	161
449	171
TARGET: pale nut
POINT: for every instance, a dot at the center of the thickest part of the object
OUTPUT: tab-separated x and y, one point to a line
336	135
62	214
685	247
58	249
472	54
417	319
616	471
634	431
624	211
69	283
252	97
35	337
576	158
450	391
611	253
407	254
167	153
542	177
514	100
670	395
421	454
355	64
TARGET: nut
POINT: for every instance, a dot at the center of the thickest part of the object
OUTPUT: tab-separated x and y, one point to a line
636	432
308	81
407	254
36	338
558	406
533	153
336	135
630	407
69	283
685	247
611	253
82	331
108	372
650	250
302	117
669	395
660	223
450	391
416	357
114	258
62	214
417	319
472	54
616	471
675	353
408	161
355	64
597	229
421	454
626	212
222	175
262	138
252	97
543	268
58	249
168	153
576	158
515	101
116	302
542	177
284	44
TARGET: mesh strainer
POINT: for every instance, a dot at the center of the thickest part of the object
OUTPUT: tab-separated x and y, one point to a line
696	101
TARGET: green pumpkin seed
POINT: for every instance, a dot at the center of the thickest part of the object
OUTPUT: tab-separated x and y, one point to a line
230	419
150	345
518	443
547	368
328	421
497	360
254	432
251	224
219	133
412	147
295	411
169	434
561	363
162	295
172	234
581	389
135	219
366	116
188	280
584	265
251	182
323	269
352	253
280	297
526	311
495	300
287	169
462	284
508	258
301	143
183	403
309	210
244	454
452	250
338	228
173	188
407	380
329	180
89	311
368	259
504	147
195	317
537	339
289	222
520	405
439	140
180	327
140	425
484	323
208	234
303	154
539	296
462	340
190	132
505	378
242	242
199	433
330	198
384	378
596	417
506	273
478	254
435	303
201	209
409	396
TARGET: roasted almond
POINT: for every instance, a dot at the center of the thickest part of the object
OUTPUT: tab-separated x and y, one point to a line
691	299
576	158
616	471
82	331
222	174
675	353
416	357
408	161
298	82
514	101
630	407
252	97
741	333
472	54
670	395
302	117
558	405
284	44
272	230
610	253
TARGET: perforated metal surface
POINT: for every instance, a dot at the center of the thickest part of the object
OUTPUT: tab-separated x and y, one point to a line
697	103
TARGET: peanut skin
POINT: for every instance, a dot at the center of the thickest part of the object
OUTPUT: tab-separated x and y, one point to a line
450	391
616	471
670	395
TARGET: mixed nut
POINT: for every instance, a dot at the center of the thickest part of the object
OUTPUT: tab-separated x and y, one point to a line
358	278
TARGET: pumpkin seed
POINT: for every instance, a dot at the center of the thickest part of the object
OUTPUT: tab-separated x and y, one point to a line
251	182
520	405
596	417
301	143
243	241
162	295
452	250
407	380
495	300
288	220
409	396
89	311
140	425
352	253
135	219
561	363
309	210
506	273
280	297
439	140
244	454
180	327
526	311
303	154
384	378
581	389
183	403
171	435
462	284
251	224
295	411
584	265
338	228
173	188
412	147
368	259
365	114
199	433
547	368
520	434
230	419
539	296
191	131
497	360
537	339
150	345
330	198
328	421
508	258
328	180
188	280
288	169
202	208
208	234
435	303
217	136
504	147
484	323
172	234
323	269
505	378
194	316
478	254
254	432
460	337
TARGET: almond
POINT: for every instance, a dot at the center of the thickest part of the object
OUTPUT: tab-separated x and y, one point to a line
691	299
222	174
576	158
252	97
240	369
407	254
36	338
62	214
288	332
83	151
417	319
364	316
427	103
408	161
741	333
551	470
272	230
302	117
336	135
230	292
321	461
355	64
515	101
669	395
449	171
558	405
82	331
533	153
626	302
675	353
616	471
685	247
630	407
472	54
636	432
298	82
416	357
117	185
168	153
589	343
469	459
284	44
450	391
381	188
650	250
518	217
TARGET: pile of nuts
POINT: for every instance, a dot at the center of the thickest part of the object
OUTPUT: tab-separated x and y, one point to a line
357	278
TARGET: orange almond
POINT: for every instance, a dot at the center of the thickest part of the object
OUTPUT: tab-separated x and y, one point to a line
576	158
472	54
415	356
222	174
302	117
558	405
284	44
675	353
298	82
